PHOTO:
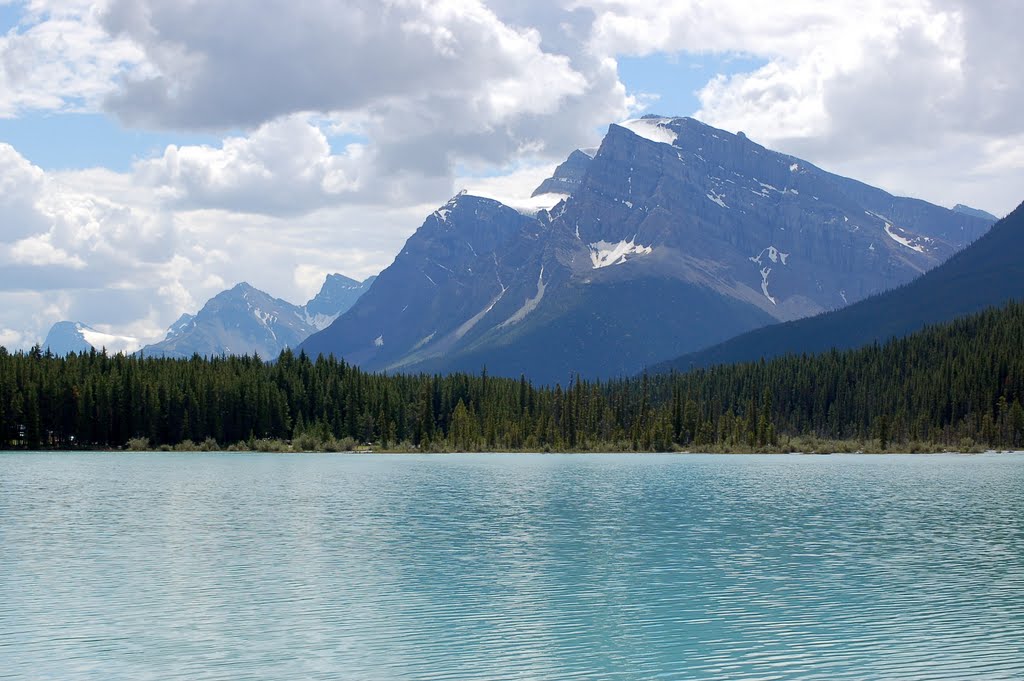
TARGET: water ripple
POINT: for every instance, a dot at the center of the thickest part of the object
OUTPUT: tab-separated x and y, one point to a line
226	566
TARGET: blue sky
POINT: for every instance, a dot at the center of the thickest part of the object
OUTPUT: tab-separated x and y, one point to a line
675	79
9	16
74	141
167	150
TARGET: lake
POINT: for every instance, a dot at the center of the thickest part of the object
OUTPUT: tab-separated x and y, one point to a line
376	567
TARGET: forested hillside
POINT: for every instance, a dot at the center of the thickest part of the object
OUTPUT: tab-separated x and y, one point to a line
953	385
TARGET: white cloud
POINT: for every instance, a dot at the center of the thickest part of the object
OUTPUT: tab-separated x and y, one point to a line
10	338
75	252
20	186
427	86
284	167
311	55
60	58
513	183
38	250
918	96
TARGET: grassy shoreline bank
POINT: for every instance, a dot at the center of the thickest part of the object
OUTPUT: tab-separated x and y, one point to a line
803	445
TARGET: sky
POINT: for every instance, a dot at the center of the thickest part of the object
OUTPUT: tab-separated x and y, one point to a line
156	152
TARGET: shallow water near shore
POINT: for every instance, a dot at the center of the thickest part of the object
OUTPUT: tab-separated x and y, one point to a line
511	566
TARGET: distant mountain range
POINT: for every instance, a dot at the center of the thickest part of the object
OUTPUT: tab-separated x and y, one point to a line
67	337
975	212
240	321
986	274
670	237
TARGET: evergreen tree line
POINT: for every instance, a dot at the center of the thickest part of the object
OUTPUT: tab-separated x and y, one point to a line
955	385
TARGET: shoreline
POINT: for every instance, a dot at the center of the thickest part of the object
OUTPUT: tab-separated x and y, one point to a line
531	452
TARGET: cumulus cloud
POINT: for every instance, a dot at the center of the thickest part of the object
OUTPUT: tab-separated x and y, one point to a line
20	185
66	251
284	167
427	87
59	58
312	55
916	95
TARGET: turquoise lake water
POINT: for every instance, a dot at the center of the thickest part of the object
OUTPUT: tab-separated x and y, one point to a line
377	567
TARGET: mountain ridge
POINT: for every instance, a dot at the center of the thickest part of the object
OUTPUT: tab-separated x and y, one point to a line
259	323
246	320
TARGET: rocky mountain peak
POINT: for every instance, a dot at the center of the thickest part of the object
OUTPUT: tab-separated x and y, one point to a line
567	176
673	234
246	320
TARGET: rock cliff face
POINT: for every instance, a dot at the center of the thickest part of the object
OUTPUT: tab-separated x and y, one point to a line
721	211
472	259
988	273
674	236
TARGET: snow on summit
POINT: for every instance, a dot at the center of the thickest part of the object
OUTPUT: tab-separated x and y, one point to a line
654	129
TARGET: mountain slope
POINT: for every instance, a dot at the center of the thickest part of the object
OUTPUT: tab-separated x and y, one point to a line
987	273
672	236
242	320
468	261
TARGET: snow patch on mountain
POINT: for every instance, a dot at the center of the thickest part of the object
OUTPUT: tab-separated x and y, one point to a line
605	254
184	323
774	254
902	240
444	211
423	341
320	321
472	321
717	198
267	319
776	257
654	129
765	271
530	305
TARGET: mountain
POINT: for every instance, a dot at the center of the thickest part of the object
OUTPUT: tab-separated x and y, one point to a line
671	236
242	320
569	175
338	294
987	273
975	212
67	337
245	320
